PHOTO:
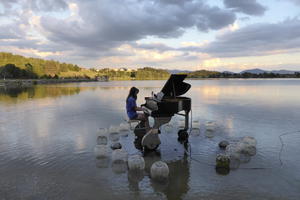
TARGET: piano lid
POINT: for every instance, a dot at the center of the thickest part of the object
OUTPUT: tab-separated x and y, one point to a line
175	86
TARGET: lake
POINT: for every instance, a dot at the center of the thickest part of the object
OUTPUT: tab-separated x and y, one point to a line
48	133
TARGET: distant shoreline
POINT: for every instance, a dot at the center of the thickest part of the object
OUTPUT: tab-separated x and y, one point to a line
31	82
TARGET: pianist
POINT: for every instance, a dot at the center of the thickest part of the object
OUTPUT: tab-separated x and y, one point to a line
132	109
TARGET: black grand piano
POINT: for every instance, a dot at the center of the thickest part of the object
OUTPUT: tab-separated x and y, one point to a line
164	105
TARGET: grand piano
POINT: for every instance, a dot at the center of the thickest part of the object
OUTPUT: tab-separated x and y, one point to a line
164	105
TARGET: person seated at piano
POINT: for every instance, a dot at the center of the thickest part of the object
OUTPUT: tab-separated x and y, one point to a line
132	108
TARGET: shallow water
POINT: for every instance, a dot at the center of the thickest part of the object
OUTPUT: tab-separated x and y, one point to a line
48	134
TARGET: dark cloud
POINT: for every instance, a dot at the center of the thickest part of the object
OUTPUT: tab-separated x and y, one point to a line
106	24
249	7
47	5
10	32
297	2
8	3
256	40
154	46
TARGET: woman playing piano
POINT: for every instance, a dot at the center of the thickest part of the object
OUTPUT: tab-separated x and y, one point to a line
132	109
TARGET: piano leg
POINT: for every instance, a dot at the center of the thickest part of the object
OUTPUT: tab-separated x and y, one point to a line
186	126
183	134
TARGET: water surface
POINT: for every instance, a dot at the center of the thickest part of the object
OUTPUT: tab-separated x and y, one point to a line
48	133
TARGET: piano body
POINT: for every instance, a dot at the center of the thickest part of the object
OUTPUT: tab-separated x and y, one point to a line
163	106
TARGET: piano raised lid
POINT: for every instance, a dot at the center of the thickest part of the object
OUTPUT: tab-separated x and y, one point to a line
175	86
171	103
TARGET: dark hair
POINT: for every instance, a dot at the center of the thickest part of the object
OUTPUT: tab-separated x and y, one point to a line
132	93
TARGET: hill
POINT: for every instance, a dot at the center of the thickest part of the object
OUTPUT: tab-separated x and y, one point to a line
260	71
20	67
16	66
253	71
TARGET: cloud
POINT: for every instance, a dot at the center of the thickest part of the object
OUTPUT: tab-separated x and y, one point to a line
106	24
297	2
257	39
97	28
249	7
10	32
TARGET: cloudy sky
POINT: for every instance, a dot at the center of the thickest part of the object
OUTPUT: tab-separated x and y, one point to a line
230	35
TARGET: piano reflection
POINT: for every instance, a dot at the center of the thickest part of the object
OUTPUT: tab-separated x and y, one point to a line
164	105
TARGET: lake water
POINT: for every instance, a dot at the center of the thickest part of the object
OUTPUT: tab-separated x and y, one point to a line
48	132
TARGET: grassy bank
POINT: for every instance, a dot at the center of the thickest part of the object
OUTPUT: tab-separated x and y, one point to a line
30	82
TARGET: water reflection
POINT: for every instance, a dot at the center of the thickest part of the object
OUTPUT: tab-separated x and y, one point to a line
16	95
178	182
48	133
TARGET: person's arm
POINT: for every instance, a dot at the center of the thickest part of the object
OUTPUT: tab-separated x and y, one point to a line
137	108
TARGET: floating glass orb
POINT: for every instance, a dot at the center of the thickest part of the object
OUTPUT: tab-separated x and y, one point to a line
210	126
195	132
245	158
101	151
195	124
249	140
223	144
159	171
223	161
231	148
114	136
234	160
119	167
102	162
119	155
102	136
102	132
124	127
136	162
209	133
135	176
246	148
113	133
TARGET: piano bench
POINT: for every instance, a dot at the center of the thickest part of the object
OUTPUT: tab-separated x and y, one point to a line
130	121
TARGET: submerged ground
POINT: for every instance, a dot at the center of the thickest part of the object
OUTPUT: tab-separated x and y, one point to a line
48	132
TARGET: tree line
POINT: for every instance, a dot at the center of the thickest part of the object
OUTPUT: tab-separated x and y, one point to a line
19	67
16	66
146	73
215	74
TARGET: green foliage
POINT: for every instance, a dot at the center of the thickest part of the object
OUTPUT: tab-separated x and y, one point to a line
11	71
16	66
214	74
40	68
204	74
146	73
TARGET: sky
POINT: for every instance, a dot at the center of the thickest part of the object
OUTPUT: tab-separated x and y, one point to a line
221	35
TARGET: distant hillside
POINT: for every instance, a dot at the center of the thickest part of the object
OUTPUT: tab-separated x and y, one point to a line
254	71
228	72
260	71
146	73
16	66
176	71
283	71
204	74
20	67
